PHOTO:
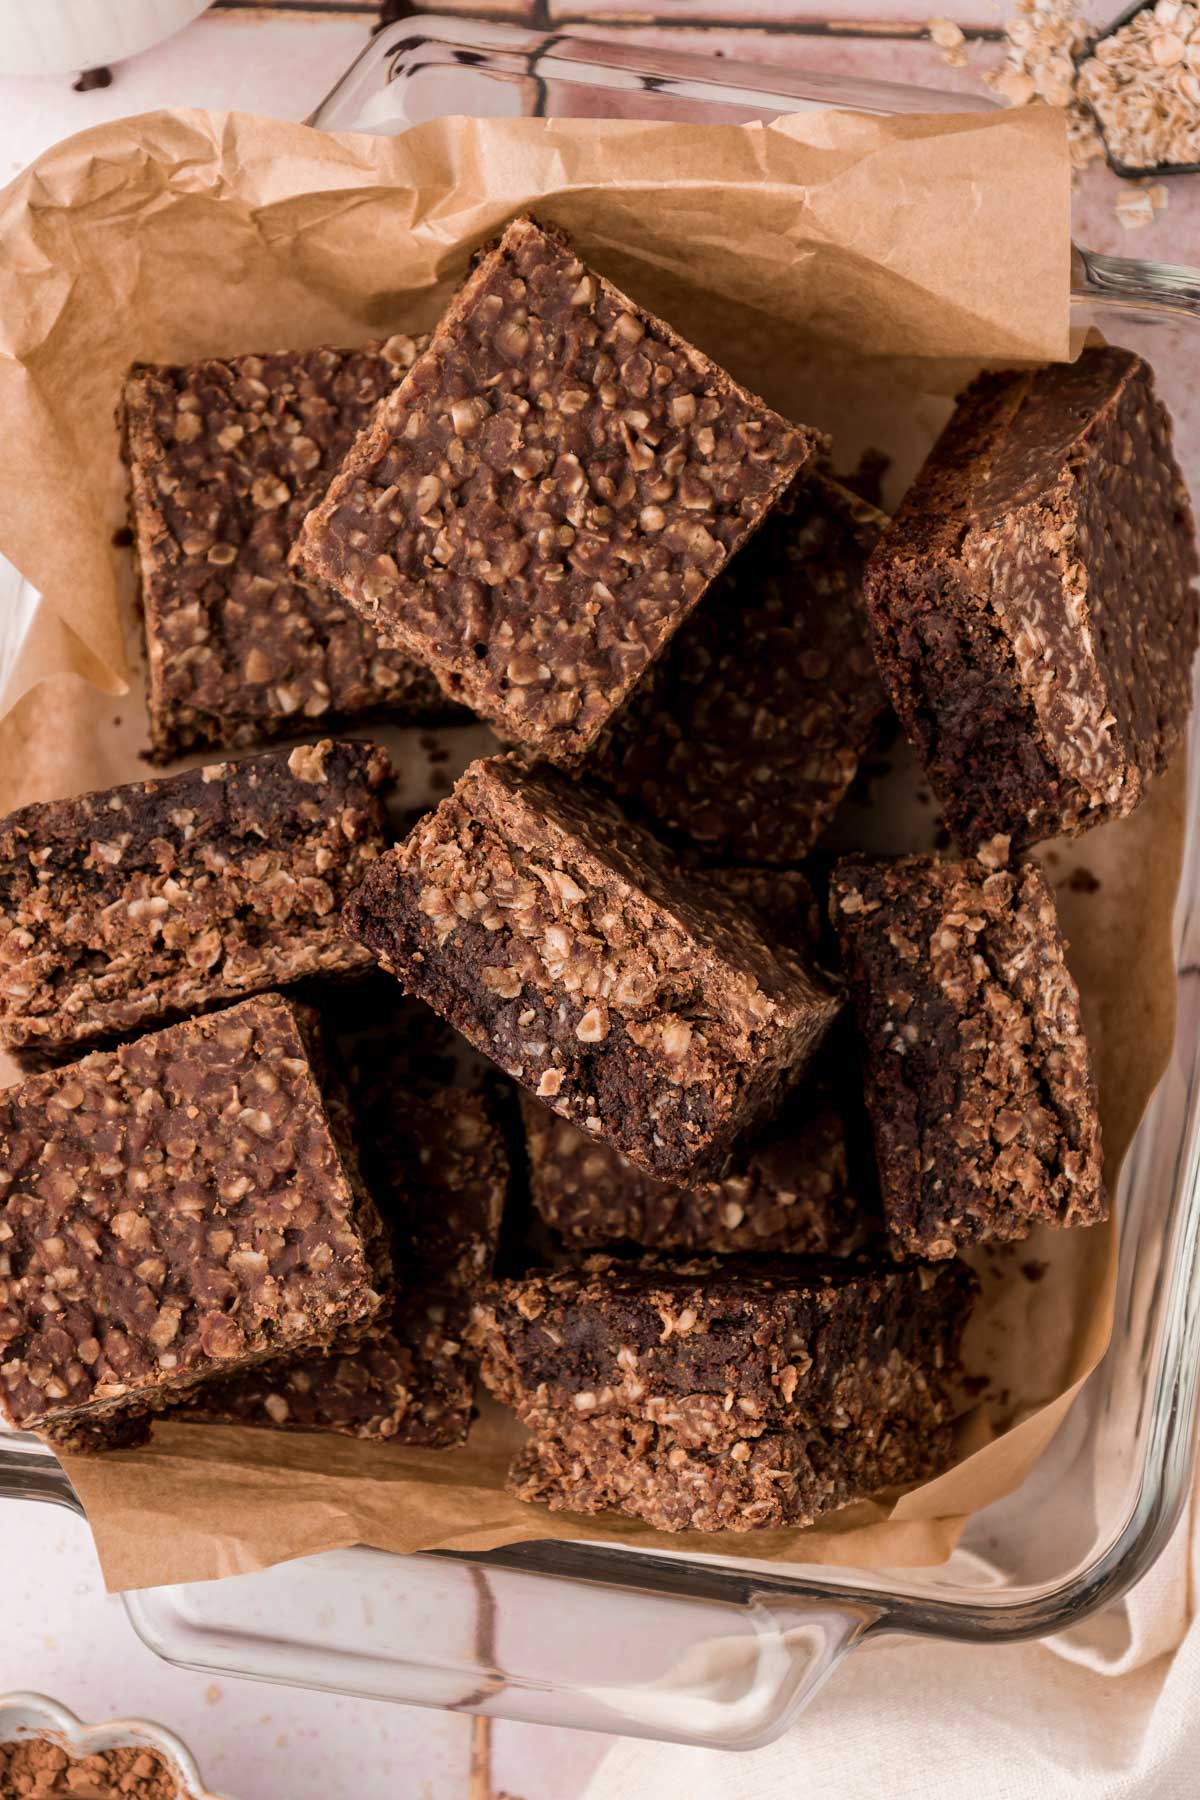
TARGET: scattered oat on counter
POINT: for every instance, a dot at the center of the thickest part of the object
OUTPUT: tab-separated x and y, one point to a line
1043	39
950	40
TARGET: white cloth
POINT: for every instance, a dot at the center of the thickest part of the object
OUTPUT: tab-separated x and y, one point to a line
1110	1711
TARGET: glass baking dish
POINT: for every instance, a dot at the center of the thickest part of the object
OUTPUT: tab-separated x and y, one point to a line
700	1650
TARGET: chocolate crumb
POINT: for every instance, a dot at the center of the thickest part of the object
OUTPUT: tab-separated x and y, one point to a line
1082	881
91	79
122	538
1034	1271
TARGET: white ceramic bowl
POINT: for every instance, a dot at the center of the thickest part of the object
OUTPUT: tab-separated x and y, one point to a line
32	1715
59	37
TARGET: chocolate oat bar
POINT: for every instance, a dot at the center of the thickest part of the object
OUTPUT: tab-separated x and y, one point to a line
721	1348
439	1172
789	1477
790	1192
747	732
225	458
639	1003
541	503
127	908
978	1075
1035	602
174	1210
725	1393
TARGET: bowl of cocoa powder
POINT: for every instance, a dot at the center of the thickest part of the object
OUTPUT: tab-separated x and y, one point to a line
46	1753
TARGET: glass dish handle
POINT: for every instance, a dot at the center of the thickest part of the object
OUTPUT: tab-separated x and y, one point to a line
30	1471
1126	281
552	1634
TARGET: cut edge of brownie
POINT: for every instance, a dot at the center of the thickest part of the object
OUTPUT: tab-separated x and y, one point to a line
1015	745
718	1347
251	793
918	1123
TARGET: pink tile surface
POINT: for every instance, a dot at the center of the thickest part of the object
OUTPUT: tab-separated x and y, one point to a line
779	15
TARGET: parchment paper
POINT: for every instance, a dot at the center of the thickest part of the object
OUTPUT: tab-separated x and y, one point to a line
854	271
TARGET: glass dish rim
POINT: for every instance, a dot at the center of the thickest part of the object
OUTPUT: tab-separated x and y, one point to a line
1099	283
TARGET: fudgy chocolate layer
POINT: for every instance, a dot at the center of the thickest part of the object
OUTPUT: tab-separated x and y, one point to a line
798	1336
140	904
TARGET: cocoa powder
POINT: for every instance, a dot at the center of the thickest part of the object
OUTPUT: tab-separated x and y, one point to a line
37	1769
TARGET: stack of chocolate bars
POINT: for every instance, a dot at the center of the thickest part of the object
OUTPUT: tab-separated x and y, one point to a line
749	1201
